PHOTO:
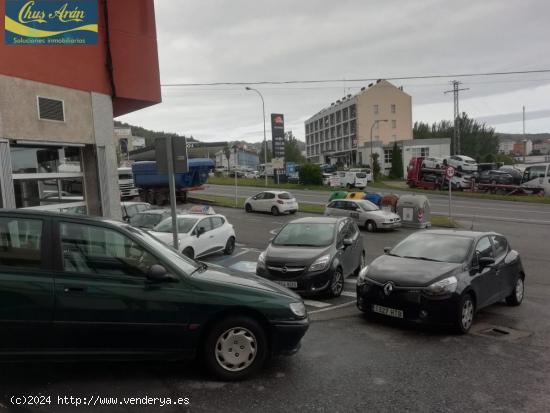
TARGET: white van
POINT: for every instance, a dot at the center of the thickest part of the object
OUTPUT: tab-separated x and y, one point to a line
366	170
353	179
537	176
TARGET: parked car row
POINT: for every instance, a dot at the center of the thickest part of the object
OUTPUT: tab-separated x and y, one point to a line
94	286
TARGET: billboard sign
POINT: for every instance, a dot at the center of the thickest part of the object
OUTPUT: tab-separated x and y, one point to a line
278	135
51	22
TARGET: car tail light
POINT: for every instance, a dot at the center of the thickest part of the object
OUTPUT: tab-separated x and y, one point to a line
280	202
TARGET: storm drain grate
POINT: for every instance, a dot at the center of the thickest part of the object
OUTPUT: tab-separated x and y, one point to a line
499	332
494	332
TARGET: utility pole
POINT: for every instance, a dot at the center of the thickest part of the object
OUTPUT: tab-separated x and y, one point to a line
456	137
524	140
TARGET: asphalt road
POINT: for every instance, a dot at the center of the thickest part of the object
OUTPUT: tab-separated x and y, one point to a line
347	363
463	208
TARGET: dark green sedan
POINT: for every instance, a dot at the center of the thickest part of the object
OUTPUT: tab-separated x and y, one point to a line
74	286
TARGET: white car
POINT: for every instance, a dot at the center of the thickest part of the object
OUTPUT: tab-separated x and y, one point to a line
461	163
276	202
366	214
432	163
199	234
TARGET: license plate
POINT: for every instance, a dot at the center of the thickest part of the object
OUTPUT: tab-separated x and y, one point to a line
391	312
288	284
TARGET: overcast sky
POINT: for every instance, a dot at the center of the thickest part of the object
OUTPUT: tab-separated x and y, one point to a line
257	40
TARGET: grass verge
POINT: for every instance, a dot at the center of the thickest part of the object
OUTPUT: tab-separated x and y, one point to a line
260	183
229	202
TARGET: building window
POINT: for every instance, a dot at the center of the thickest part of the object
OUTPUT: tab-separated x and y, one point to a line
375	109
345	114
326	134
394	124
339	144
352	112
338	117
45	177
346	129
352	127
339	131
51	109
387	156
392	108
420	151
332	133
326	122
332	119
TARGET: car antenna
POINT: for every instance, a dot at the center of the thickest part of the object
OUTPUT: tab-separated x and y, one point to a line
472	226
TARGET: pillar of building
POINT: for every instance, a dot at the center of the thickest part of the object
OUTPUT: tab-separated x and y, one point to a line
107	164
7	195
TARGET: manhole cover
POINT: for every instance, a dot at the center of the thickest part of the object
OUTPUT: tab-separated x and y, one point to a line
499	332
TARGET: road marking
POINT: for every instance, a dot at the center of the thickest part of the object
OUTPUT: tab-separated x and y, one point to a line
348	294
334	307
245	266
318	304
351	281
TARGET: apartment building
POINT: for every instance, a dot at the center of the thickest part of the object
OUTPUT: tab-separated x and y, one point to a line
381	111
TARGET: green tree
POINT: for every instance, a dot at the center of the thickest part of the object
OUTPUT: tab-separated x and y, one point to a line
396	163
227	153
293	152
477	139
310	174
375	166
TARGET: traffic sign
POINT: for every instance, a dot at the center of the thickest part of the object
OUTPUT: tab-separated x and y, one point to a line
450	172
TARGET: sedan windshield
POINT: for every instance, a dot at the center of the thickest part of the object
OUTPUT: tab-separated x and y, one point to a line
305	235
434	247
187	265
184	225
368	206
145	220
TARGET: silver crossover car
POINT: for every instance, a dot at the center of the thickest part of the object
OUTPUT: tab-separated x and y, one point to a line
365	213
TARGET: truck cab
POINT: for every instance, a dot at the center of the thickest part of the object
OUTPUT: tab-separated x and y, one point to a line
126	183
537	176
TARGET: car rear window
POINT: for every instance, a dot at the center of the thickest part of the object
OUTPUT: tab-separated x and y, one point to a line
361	175
285	195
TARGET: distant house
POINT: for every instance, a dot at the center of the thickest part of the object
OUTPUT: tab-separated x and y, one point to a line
506	146
242	158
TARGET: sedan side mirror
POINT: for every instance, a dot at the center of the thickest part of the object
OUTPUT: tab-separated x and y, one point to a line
158	273
200	231
347	242
485	262
387	250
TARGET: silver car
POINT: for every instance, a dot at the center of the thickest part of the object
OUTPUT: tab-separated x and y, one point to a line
365	213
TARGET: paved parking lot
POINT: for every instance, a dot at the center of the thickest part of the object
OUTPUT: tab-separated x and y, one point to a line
346	363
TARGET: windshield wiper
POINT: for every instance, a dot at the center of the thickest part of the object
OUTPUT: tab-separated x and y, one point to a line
423	258
201	268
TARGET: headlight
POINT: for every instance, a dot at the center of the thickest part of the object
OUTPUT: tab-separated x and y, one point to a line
261	259
298	309
320	264
445	286
362	277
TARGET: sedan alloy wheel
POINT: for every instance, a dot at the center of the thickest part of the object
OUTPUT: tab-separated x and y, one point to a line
337	283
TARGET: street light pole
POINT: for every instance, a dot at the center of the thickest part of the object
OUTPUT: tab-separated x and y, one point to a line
371	148
265	139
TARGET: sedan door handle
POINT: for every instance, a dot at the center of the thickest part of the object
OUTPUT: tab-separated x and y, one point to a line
74	289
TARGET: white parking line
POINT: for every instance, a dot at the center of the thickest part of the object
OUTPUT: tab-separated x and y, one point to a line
317	304
348	294
335	307
351	281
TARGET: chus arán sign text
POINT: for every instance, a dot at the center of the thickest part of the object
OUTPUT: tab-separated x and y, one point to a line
51	22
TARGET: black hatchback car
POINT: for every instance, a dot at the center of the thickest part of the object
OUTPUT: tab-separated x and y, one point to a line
76	286
495	177
314	255
442	277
